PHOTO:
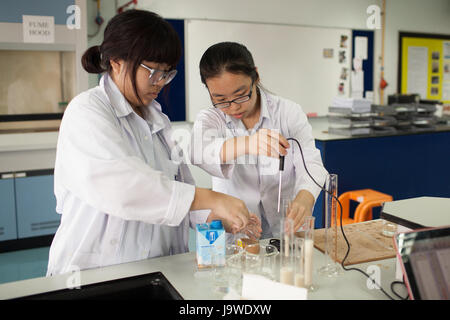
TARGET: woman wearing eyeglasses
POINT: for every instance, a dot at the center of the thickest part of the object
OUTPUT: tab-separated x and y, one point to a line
123	193
240	139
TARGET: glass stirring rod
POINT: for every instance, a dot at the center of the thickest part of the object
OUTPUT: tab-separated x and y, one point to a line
281	168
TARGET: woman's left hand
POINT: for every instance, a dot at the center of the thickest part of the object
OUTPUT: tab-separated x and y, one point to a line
300	208
253	228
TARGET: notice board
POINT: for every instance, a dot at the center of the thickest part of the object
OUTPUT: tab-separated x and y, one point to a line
424	65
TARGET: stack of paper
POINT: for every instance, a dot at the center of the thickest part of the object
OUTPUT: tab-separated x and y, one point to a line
355	105
349	131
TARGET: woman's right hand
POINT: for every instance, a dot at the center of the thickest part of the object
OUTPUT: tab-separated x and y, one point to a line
268	142
232	211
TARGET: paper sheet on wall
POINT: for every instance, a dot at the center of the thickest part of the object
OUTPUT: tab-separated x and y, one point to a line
361	47
446	74
38	29
446	91
417	81
357	84
446	49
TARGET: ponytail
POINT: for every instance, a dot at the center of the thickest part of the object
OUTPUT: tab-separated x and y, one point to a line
91	60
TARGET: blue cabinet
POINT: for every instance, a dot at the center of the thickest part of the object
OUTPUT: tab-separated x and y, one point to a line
8	229
35	206
28	205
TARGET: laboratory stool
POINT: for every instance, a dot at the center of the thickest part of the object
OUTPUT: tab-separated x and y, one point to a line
367	199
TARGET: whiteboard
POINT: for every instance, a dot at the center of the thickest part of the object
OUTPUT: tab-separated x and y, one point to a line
289	59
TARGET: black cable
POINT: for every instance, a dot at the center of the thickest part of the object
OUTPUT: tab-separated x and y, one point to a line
342	229
392	289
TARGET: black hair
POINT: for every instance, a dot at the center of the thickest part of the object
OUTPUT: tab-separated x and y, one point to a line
230	57
134	36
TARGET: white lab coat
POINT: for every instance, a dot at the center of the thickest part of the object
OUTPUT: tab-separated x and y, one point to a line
115	184
255	179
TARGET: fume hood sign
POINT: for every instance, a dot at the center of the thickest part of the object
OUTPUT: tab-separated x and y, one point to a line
38	29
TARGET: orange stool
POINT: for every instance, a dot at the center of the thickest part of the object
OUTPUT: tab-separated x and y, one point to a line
367	199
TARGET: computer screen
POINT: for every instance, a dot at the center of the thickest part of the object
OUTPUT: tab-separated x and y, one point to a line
425	257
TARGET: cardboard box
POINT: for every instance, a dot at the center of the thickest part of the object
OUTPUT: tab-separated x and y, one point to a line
210	244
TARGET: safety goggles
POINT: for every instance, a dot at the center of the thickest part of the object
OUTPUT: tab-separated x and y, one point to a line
158	75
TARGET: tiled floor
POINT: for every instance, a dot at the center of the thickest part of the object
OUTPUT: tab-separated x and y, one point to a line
23	264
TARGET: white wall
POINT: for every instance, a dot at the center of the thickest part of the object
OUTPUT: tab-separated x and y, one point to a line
406	15
291	66
320	13
108	9
331	13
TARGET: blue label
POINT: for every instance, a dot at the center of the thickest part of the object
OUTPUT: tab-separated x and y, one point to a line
211	236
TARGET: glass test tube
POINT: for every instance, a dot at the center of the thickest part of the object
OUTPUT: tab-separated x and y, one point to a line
285	206
299	262
286	251
331	267
309	248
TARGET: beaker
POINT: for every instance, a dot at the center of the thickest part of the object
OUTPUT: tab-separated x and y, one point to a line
234	265
286	251
331	267
230	272
269	255
242	240
299	262
389	228
252	258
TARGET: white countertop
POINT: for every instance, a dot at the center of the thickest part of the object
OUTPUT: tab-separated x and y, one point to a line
28	141
422	212
181	271
10	142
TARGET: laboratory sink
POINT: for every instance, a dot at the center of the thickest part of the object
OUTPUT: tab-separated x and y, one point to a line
151	286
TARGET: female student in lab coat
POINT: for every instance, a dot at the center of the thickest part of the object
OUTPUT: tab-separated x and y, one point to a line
243	134
120	183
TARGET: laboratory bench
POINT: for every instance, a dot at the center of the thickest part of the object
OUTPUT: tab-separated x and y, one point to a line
417	213
181	272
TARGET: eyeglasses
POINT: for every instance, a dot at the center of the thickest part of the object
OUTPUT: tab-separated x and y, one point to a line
158	75
238	100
